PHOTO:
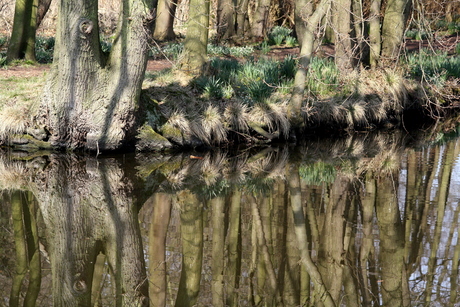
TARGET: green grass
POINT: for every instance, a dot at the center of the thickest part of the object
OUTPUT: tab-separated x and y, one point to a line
323	77
436	68
278	35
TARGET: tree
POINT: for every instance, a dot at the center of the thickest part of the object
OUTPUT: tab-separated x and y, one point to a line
225	19
306	52
393	26
165	20
28	14
91	99
196	39
259	24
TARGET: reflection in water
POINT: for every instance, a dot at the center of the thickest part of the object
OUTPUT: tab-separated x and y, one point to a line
359	222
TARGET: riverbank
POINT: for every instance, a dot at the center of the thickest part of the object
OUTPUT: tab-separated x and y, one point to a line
244	100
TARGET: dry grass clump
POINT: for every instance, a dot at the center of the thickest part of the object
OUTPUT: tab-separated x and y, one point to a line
213	126
13	120
273	116
236	115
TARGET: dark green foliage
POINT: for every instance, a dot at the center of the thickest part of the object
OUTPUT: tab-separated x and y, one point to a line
44	49
278	35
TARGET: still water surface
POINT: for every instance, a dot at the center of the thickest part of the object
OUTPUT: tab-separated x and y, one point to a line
362	221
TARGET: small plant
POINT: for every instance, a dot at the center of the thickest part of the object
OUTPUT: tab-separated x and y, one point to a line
2	60
241	52
278	34
3	41
290	41
213	88
457	49
44	49
265	47
323	77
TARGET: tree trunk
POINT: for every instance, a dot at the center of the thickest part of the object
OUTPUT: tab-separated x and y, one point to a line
91	101
241	18
260	20
374	33
306	51
164	22
394	24
196	39
342	21
22	42
303	9
225	20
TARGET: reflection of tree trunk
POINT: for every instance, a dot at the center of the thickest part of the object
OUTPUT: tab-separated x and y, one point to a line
20	244
450	154
157	248
27	250
367	246
83	204
192	248
265	254
391	244
331	248
33	251
234	249
322	295
218	242
290	283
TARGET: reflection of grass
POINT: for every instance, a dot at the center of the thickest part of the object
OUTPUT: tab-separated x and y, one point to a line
318	173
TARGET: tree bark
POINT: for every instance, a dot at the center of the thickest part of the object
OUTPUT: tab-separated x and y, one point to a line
225	20
375	41
259	23
306	51
91	101
22	42
196	39
341	18
164	22
394	24
302	10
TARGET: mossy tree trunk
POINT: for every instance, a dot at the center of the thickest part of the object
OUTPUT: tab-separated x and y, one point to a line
241	18
302	10
393	26
196	40
164	21
22	42
91	100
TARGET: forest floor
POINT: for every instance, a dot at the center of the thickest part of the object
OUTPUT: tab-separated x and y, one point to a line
446	44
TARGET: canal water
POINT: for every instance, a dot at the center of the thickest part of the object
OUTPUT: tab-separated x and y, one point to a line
365	220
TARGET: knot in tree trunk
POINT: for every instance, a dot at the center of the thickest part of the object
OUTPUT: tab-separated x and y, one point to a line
85	26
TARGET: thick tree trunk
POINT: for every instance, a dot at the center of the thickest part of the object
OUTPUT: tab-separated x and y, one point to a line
303	9
225	19
164	22
394	24
22	42
259	22
242	18
87	208
89	101
196	39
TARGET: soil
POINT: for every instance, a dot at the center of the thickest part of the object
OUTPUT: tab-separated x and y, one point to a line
446	44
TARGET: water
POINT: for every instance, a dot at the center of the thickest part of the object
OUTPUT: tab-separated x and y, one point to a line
362	221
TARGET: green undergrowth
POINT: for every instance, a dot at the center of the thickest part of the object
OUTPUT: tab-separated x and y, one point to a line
433	67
